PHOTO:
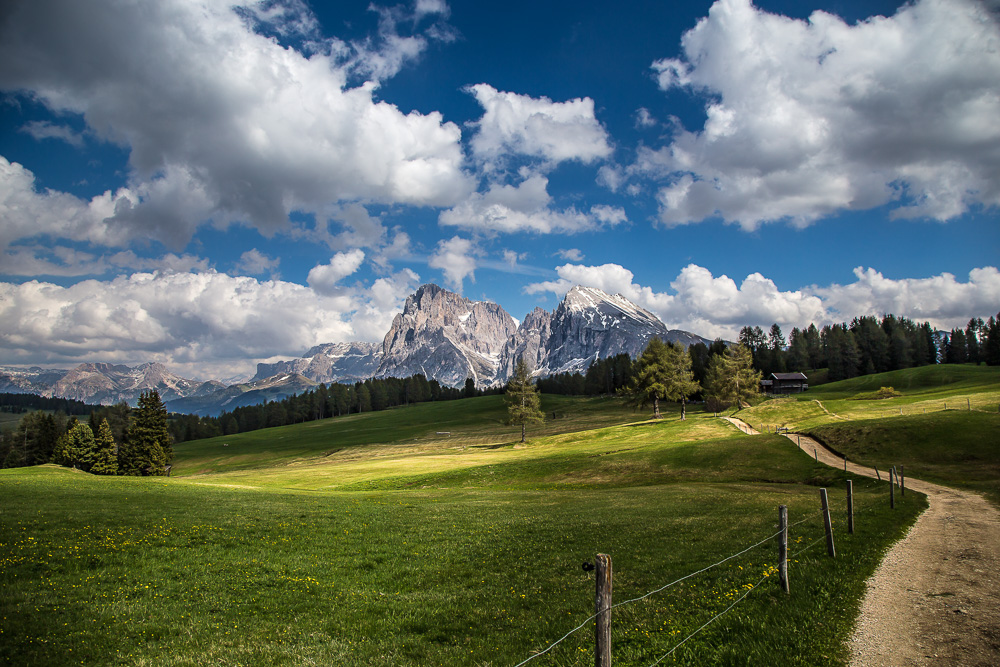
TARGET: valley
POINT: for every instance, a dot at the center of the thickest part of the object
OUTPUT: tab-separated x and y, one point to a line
426	535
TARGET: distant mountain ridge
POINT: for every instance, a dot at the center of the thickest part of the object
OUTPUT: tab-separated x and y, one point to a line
440	334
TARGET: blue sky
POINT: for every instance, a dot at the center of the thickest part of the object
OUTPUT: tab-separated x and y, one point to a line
210	183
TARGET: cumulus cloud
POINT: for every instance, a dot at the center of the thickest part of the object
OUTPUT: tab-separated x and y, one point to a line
265	130
808	118
253	262
199	324
324	277
383	300
526	207
537	127
455	257
714	306
943	300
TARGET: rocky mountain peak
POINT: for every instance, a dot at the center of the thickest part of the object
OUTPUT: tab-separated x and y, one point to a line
447	337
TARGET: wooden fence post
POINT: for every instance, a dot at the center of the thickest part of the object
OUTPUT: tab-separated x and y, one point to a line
816	454
892	488
902	482
845	464
827	524
878	474
850	506
783	547
602	607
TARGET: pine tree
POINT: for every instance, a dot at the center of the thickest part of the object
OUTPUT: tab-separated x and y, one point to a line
148	449
105	451
523	401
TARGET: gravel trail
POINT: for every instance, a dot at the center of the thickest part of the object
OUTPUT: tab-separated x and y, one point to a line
935	599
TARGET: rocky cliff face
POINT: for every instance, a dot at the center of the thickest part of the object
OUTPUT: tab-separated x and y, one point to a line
332	362
446	337
589	324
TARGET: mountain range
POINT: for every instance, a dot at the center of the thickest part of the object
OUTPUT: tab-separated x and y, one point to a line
439	333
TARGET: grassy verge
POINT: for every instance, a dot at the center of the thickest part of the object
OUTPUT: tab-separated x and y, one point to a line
481	567
942	426
957	448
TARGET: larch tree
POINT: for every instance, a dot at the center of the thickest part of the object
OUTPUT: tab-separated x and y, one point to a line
732	379
523	401
662	372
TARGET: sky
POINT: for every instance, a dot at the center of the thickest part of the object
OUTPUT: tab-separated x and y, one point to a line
213	183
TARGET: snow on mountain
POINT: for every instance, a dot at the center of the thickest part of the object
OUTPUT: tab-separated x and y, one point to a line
440	334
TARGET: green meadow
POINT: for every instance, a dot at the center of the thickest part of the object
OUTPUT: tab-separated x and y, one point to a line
428	535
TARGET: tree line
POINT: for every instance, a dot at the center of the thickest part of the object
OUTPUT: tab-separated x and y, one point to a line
116	440
719	373
20	403
333	400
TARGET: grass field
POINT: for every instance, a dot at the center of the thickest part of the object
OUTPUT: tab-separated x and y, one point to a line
428	536
944	426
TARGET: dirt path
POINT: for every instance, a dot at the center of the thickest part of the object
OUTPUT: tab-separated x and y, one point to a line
935	599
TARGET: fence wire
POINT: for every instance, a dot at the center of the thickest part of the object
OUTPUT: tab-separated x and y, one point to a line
711	620
872	482
643	597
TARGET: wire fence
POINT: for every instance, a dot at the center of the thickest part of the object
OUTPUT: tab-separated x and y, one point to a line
870	505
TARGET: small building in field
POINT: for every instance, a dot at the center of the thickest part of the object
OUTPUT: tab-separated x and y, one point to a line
785	383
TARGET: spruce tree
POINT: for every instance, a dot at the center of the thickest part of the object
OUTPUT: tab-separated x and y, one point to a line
523	401
148	449
105	454
76	449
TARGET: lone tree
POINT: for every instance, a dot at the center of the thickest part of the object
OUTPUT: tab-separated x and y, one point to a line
732	379
523	401
148	449
662	372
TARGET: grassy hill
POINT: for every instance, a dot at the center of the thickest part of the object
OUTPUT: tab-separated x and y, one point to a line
428	535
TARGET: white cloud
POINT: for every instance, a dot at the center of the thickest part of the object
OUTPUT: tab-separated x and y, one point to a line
455	258
570	254
717	306
384	299
644	119
253	262
512	257
200	324
537	127
941	299
184	319
810	118
525	207
263	131
28	213
324	277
